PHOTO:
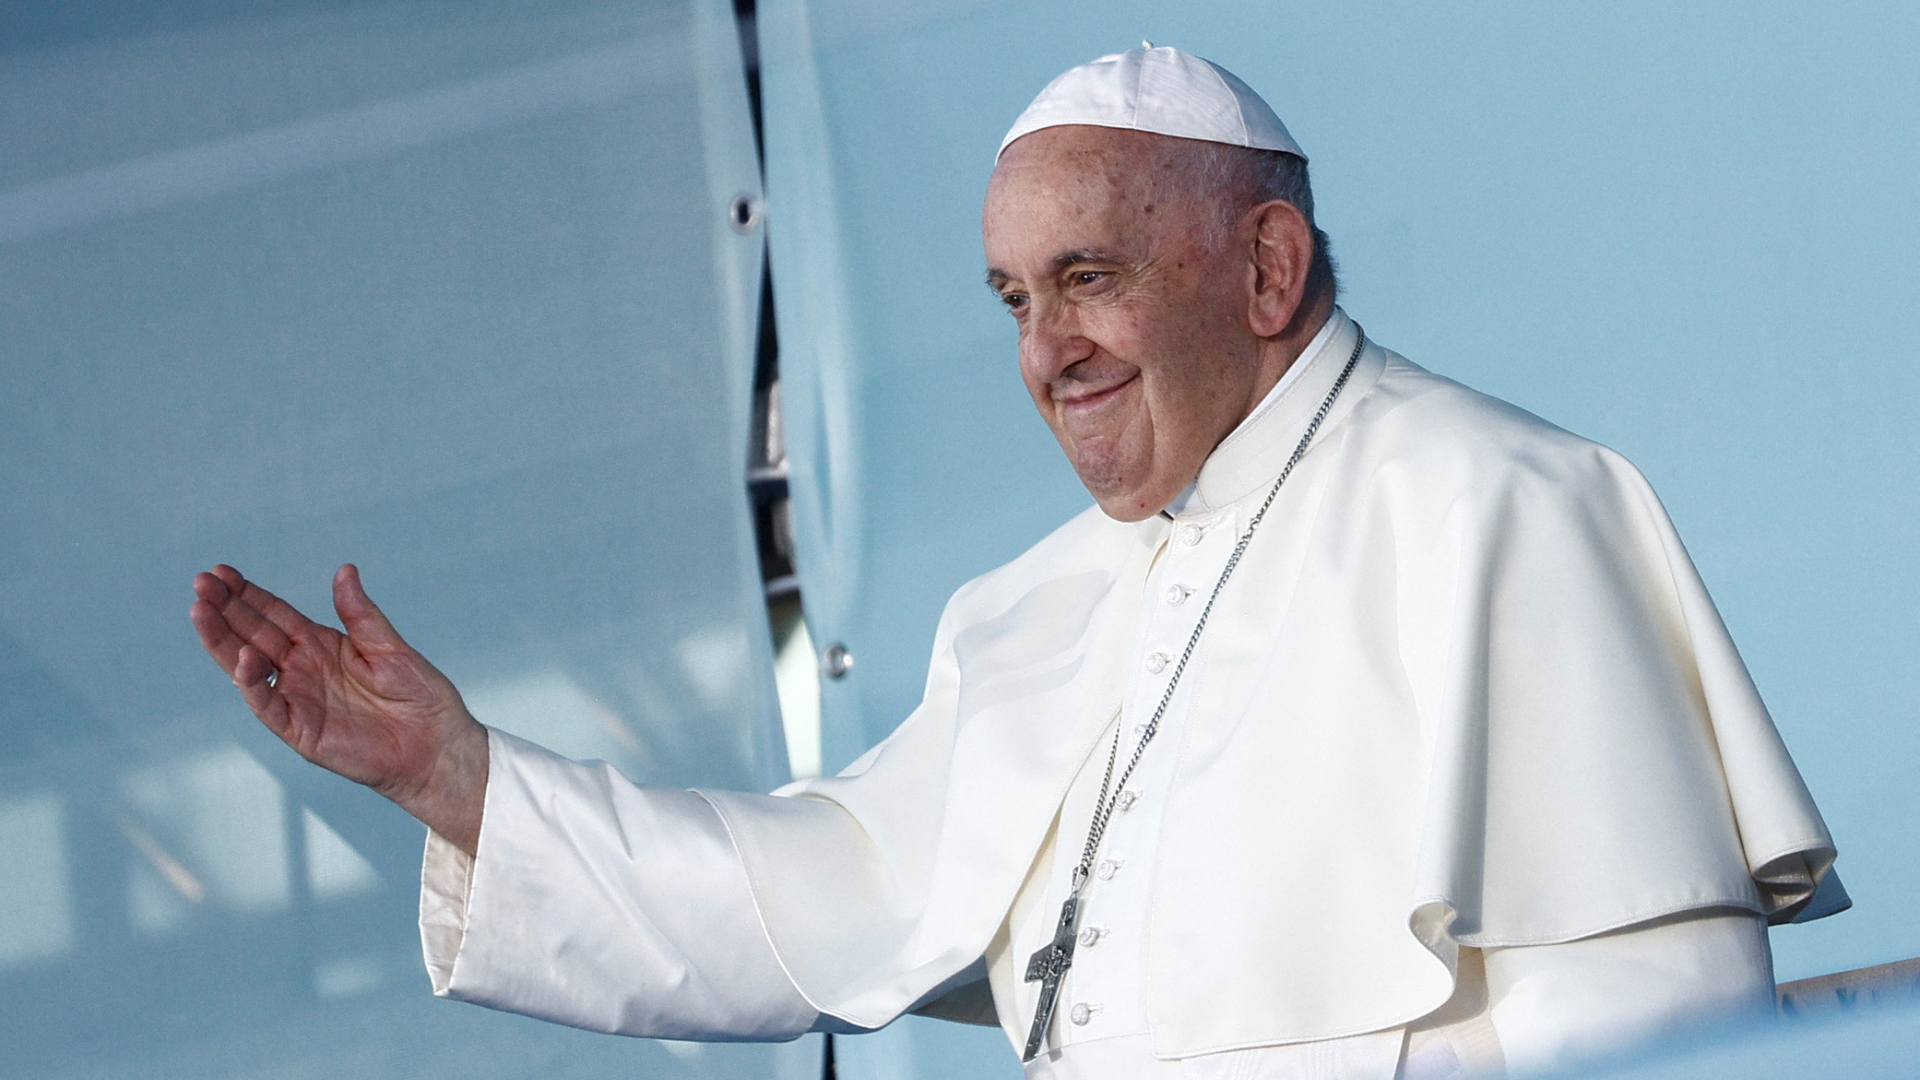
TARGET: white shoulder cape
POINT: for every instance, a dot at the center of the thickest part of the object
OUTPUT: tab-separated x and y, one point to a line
1465	689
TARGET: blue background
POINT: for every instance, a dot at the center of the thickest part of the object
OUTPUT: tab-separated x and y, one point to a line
496	357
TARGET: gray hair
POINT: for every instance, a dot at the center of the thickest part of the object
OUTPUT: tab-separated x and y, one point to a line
1239	179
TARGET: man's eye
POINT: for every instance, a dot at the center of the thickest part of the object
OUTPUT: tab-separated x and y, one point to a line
1088	277
1014	301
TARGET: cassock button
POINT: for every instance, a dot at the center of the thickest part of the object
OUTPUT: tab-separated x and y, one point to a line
1091	936
1190	534
1157	662
1106	869
1125	800
1177	594
1082	1012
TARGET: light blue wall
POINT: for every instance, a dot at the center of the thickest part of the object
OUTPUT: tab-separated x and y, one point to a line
445	289
1688	231
409	283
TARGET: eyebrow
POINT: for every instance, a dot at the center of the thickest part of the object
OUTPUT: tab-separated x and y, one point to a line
1083	255
997	277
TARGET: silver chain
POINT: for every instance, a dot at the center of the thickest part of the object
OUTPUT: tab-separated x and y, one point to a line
1109	791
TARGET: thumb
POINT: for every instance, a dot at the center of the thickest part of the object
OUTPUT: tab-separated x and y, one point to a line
364	622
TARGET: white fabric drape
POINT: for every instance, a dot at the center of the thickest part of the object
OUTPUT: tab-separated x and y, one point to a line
1465	689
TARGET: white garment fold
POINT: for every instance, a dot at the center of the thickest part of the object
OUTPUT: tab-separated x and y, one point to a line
604	906
672	948
1464	692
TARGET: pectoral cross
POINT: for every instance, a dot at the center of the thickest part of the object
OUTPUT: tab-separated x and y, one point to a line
1047	967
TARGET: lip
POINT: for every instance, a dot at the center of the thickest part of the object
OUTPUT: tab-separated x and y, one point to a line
1085	402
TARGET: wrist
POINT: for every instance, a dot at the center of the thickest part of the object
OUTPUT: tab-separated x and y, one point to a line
452	798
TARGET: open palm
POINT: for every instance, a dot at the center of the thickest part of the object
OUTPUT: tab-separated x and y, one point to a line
362	703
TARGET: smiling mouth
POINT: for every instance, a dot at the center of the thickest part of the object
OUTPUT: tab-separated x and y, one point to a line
1093	399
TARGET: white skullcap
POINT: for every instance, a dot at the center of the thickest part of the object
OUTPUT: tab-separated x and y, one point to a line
1163	90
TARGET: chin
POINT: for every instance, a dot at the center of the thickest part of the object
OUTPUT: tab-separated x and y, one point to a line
1130	505
1120	491
1126	511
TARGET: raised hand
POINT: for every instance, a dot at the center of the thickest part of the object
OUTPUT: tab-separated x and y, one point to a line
363	704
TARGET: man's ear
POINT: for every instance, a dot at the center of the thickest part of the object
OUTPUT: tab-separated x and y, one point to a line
1282	255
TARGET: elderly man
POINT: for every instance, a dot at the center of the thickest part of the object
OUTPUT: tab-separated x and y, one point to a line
1367	727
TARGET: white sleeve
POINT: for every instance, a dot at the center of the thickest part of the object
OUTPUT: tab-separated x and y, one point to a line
602	905
1558	1005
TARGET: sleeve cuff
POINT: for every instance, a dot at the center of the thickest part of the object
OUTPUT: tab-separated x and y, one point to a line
446	884
604	906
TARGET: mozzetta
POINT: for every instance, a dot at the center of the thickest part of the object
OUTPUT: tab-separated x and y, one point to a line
1465	692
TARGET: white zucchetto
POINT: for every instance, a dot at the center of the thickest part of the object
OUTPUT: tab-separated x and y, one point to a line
1161	90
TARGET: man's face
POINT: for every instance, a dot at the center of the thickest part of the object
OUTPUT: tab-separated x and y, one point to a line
1134	338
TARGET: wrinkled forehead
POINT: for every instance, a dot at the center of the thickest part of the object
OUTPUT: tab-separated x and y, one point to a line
1098	162
1070	191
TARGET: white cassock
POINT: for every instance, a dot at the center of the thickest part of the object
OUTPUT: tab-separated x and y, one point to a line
1465	769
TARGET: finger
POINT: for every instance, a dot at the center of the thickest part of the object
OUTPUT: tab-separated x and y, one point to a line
366	624
246	623
216	636
211	588
252	672
273	609
252	610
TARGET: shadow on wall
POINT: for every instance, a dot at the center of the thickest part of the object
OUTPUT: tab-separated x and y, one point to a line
192	916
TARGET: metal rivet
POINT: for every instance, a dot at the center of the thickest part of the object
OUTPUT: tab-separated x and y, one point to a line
744	213
836	661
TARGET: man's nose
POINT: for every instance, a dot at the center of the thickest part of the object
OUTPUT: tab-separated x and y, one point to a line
1052	342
